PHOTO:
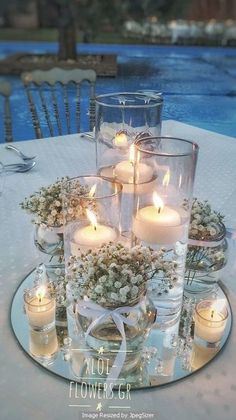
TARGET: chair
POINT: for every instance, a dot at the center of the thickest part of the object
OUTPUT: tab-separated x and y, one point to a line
5	91
55	99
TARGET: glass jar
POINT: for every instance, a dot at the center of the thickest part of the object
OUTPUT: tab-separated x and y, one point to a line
205	260
105	334
49	239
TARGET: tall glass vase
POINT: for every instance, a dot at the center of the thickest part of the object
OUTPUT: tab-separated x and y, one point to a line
121	119
161	216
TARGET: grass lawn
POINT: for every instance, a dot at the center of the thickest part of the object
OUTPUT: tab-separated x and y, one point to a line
49	34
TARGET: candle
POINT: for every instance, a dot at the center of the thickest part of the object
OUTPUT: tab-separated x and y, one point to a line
124	170
40	308
120	140
210	321
92	235
158	224
43	345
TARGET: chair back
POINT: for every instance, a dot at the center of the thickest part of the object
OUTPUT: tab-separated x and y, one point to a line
55	99
5	91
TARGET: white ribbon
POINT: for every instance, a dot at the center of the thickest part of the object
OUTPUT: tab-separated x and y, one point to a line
99	314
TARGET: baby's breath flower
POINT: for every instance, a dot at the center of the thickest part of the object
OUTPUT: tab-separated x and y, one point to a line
46	203
203	221
116	275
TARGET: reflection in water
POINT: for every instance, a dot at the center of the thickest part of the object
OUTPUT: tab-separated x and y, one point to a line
202	355
43	346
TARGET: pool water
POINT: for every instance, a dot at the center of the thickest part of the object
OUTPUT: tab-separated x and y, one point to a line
198	83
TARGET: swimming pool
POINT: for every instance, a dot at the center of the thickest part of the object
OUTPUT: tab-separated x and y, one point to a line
198	83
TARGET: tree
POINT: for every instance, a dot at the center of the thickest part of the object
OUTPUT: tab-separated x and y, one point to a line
62	15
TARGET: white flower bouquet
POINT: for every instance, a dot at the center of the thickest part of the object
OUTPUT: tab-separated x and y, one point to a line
46	203
207	246
115	275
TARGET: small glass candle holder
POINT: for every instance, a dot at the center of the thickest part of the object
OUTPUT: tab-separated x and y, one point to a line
121	119
91	219
43	345
40	308
161	213
210	321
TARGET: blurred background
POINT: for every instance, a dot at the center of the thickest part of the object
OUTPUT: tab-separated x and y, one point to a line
182	48
184	22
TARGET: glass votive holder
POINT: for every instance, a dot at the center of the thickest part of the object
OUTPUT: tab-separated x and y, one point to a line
93	218
40	308
210	322
161	213
43	345
120	119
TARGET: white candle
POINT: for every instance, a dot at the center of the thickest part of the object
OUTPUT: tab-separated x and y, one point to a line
210	321
92	235
40	309
124	170
158	224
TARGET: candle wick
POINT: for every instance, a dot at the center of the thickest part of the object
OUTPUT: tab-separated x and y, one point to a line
95	227
40	299
212	314
159	210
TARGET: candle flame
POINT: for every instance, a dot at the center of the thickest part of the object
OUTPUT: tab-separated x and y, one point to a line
92	218
41	293
166	179
121	139
132	153
158	203
92	191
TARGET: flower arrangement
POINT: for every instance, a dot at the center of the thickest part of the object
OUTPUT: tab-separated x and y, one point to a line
206	226
204	220
116	275
46	203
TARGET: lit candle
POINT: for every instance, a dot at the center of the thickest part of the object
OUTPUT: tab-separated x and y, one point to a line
158	224
124	170
40	308
210	321
92	235
43	345
120	140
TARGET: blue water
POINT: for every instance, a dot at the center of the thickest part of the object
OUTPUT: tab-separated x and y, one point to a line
198	83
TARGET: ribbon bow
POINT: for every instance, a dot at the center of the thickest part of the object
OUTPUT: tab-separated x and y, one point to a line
99	314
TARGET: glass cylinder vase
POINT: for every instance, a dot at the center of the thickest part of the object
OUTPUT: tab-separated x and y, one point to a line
91	218
206	258
161	216
122	118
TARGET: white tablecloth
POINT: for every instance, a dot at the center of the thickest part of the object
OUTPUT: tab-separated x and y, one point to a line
29	392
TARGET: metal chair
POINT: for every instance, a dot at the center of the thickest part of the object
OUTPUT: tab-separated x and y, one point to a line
55	98
5	91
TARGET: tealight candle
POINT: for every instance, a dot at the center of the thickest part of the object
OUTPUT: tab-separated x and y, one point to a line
40	308
92	235
124	170
210	322
158	224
